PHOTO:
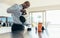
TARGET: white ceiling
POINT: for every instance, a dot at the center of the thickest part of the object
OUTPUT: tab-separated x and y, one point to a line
34	3
41	5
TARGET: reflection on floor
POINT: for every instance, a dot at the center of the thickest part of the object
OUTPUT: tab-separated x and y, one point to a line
53	31
31	34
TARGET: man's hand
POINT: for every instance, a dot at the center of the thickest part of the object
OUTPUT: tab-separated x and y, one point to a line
23	12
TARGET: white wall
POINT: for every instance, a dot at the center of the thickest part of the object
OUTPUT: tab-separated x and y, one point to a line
3	10
5	30
53	16
53	20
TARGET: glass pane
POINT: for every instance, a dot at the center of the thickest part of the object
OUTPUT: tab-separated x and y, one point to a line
3	19
10	19
37	17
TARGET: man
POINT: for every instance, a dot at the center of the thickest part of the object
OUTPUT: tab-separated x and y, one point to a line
17	11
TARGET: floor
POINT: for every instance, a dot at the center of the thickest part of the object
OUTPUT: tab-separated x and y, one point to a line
53	31
5	32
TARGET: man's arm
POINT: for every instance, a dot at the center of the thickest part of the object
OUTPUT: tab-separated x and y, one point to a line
23	12
12	9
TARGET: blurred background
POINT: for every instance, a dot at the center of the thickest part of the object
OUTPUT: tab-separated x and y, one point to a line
46	12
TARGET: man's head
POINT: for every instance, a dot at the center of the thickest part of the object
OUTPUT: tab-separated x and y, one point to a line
26	4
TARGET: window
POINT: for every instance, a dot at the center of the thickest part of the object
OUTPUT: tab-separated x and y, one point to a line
10	19
36	17
53	16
